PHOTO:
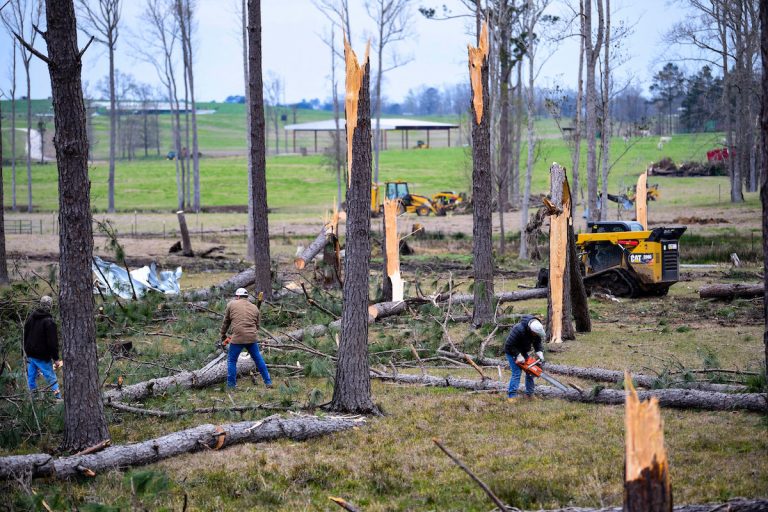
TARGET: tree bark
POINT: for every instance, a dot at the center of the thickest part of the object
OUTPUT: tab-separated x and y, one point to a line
764	170
13	129
84	423
504	136
576	135
731	291
579	302
605	130
112	128
672	398
3	262
202	437
352	389
186	38
315	248
514	188
249	250
258	170
186	243
482	183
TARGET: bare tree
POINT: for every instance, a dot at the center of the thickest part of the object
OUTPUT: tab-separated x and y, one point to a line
337	12
22	18
273	91
156	44
244	41
605	129
392	19
576	133
84	421
258	170
184	11
12	93
591	55
101	20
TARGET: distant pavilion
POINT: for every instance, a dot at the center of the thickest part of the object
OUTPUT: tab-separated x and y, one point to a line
404	126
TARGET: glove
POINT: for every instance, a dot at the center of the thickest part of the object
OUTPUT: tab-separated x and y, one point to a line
540	356
519	358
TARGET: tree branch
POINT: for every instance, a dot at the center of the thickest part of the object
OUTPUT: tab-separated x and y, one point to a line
80	54
31	50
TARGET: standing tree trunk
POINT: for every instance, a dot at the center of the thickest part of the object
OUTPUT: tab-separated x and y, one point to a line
13	129
258	170
504	136
576	134
482	183
185	24
3	263
591	53
29	136
250	254
84	422
352	390
112	128
764	173
514	188
605	130
531	142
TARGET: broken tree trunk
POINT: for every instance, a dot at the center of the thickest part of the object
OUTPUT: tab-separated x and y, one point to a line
501	297
641	200
315	248
731	291
673	398
482	183
646	469
352	387
580	304
186	243
392	251
185	441
559	309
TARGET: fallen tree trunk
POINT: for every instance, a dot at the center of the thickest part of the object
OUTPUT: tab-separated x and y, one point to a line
227	287
603	375
731	291
217	372
501	297
674	398
735	505
313	250
184	441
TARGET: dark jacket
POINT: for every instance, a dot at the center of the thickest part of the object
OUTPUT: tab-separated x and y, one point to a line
521	338
40	338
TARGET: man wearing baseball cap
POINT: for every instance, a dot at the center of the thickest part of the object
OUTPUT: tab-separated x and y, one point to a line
243	317
528	333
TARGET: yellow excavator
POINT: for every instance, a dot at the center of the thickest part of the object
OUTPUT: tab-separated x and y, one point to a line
409	203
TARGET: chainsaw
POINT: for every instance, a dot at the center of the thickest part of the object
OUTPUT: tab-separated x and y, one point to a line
532	366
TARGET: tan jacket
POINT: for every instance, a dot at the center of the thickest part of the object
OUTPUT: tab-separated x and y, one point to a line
244	319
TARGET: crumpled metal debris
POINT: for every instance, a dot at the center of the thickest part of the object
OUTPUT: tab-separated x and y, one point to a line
111	278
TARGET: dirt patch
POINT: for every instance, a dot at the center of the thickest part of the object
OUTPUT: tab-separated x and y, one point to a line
700	220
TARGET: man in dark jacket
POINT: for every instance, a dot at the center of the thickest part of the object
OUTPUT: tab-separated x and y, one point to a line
41	345
526	334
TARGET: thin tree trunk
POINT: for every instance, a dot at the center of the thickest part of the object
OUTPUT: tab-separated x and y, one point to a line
605	135
592	52
377	133
258	170
504	135
13	130
112	127
84	422
518	136
250	251
531	147
482	183
352	388
576	134
3	263
29	136
187	159
186	28
764	171
338	162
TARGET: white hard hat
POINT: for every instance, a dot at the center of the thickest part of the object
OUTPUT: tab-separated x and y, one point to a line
537	328
241	292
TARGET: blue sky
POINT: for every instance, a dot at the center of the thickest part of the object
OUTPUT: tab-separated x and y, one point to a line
293	49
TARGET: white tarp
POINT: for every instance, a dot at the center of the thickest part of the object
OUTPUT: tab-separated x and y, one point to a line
112	278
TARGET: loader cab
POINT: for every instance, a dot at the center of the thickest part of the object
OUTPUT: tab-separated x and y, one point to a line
397	190
614	226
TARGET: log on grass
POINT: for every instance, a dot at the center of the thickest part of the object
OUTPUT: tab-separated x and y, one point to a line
673	398
731	291
501	297
603	375
202	437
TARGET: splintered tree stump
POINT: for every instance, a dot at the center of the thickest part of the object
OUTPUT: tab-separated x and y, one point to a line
646	470
559	304
482	183
392	251
186	243
641	200
731	291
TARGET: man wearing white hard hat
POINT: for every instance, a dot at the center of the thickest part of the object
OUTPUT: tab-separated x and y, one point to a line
243	317
528	334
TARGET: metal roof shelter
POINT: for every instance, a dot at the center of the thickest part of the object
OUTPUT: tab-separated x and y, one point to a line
404	126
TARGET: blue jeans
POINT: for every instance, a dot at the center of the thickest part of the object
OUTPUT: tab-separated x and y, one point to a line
46	368
514	382
234	353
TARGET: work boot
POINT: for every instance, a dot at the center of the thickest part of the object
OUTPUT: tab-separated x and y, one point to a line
513	399
532	397
269	385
